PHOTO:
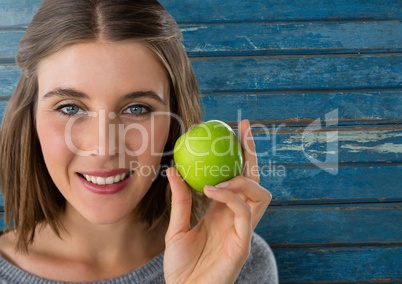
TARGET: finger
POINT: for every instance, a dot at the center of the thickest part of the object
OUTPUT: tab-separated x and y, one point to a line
181	204
241	210
250	156
251	189
257	197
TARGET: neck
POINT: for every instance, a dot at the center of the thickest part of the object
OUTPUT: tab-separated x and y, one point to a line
124	245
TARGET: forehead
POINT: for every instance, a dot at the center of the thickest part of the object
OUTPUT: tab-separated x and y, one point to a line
103	67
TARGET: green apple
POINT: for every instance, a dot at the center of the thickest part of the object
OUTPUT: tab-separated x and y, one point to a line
208	154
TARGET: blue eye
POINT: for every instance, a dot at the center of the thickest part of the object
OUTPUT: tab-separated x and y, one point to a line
137	110
70	109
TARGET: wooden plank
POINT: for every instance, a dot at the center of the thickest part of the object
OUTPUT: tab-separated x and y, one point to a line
248	74
293	38
303	107
340	265
9	43
17	13
272	10
269	38
320	72
347	147
298	226
352	184
9	75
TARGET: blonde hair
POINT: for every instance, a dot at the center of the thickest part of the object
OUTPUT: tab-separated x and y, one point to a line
30	196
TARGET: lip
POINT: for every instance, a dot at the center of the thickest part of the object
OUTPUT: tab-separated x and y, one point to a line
107	188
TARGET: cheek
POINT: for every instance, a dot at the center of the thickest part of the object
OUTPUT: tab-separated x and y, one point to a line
144	145
148	139
52	140
159	134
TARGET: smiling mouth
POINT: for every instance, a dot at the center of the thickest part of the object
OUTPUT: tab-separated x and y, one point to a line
106	180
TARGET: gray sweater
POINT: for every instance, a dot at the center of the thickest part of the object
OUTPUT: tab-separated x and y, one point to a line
259	268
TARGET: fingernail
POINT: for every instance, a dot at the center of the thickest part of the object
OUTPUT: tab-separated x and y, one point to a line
222	185
210	188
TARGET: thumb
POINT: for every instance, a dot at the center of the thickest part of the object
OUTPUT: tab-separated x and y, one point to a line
181	205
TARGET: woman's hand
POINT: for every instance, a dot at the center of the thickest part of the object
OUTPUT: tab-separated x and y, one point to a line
215	250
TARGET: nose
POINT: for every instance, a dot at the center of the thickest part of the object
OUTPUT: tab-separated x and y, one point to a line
94	135
108	137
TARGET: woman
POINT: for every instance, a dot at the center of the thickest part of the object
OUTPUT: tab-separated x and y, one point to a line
104	92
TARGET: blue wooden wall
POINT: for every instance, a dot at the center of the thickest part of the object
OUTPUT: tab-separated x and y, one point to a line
336	182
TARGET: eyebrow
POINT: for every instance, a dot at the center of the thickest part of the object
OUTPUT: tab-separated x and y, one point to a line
65	92
72	93
146	94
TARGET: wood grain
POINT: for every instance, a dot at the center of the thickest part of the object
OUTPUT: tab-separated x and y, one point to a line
272	38
358	264
301	108
19	13
264	73
201	11
292	38
308	225
352	184
318	72
357	146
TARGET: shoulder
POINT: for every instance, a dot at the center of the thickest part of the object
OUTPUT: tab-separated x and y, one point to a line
7	243
6	254
7	250
260	266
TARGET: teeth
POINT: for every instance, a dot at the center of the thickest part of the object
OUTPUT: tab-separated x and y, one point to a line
108	180
100	181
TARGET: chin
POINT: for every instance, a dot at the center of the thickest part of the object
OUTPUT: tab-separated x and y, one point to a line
108	218
103	213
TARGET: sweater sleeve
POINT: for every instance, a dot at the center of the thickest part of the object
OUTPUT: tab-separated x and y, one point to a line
260	266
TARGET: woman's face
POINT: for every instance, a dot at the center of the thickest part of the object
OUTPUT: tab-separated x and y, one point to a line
103	120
